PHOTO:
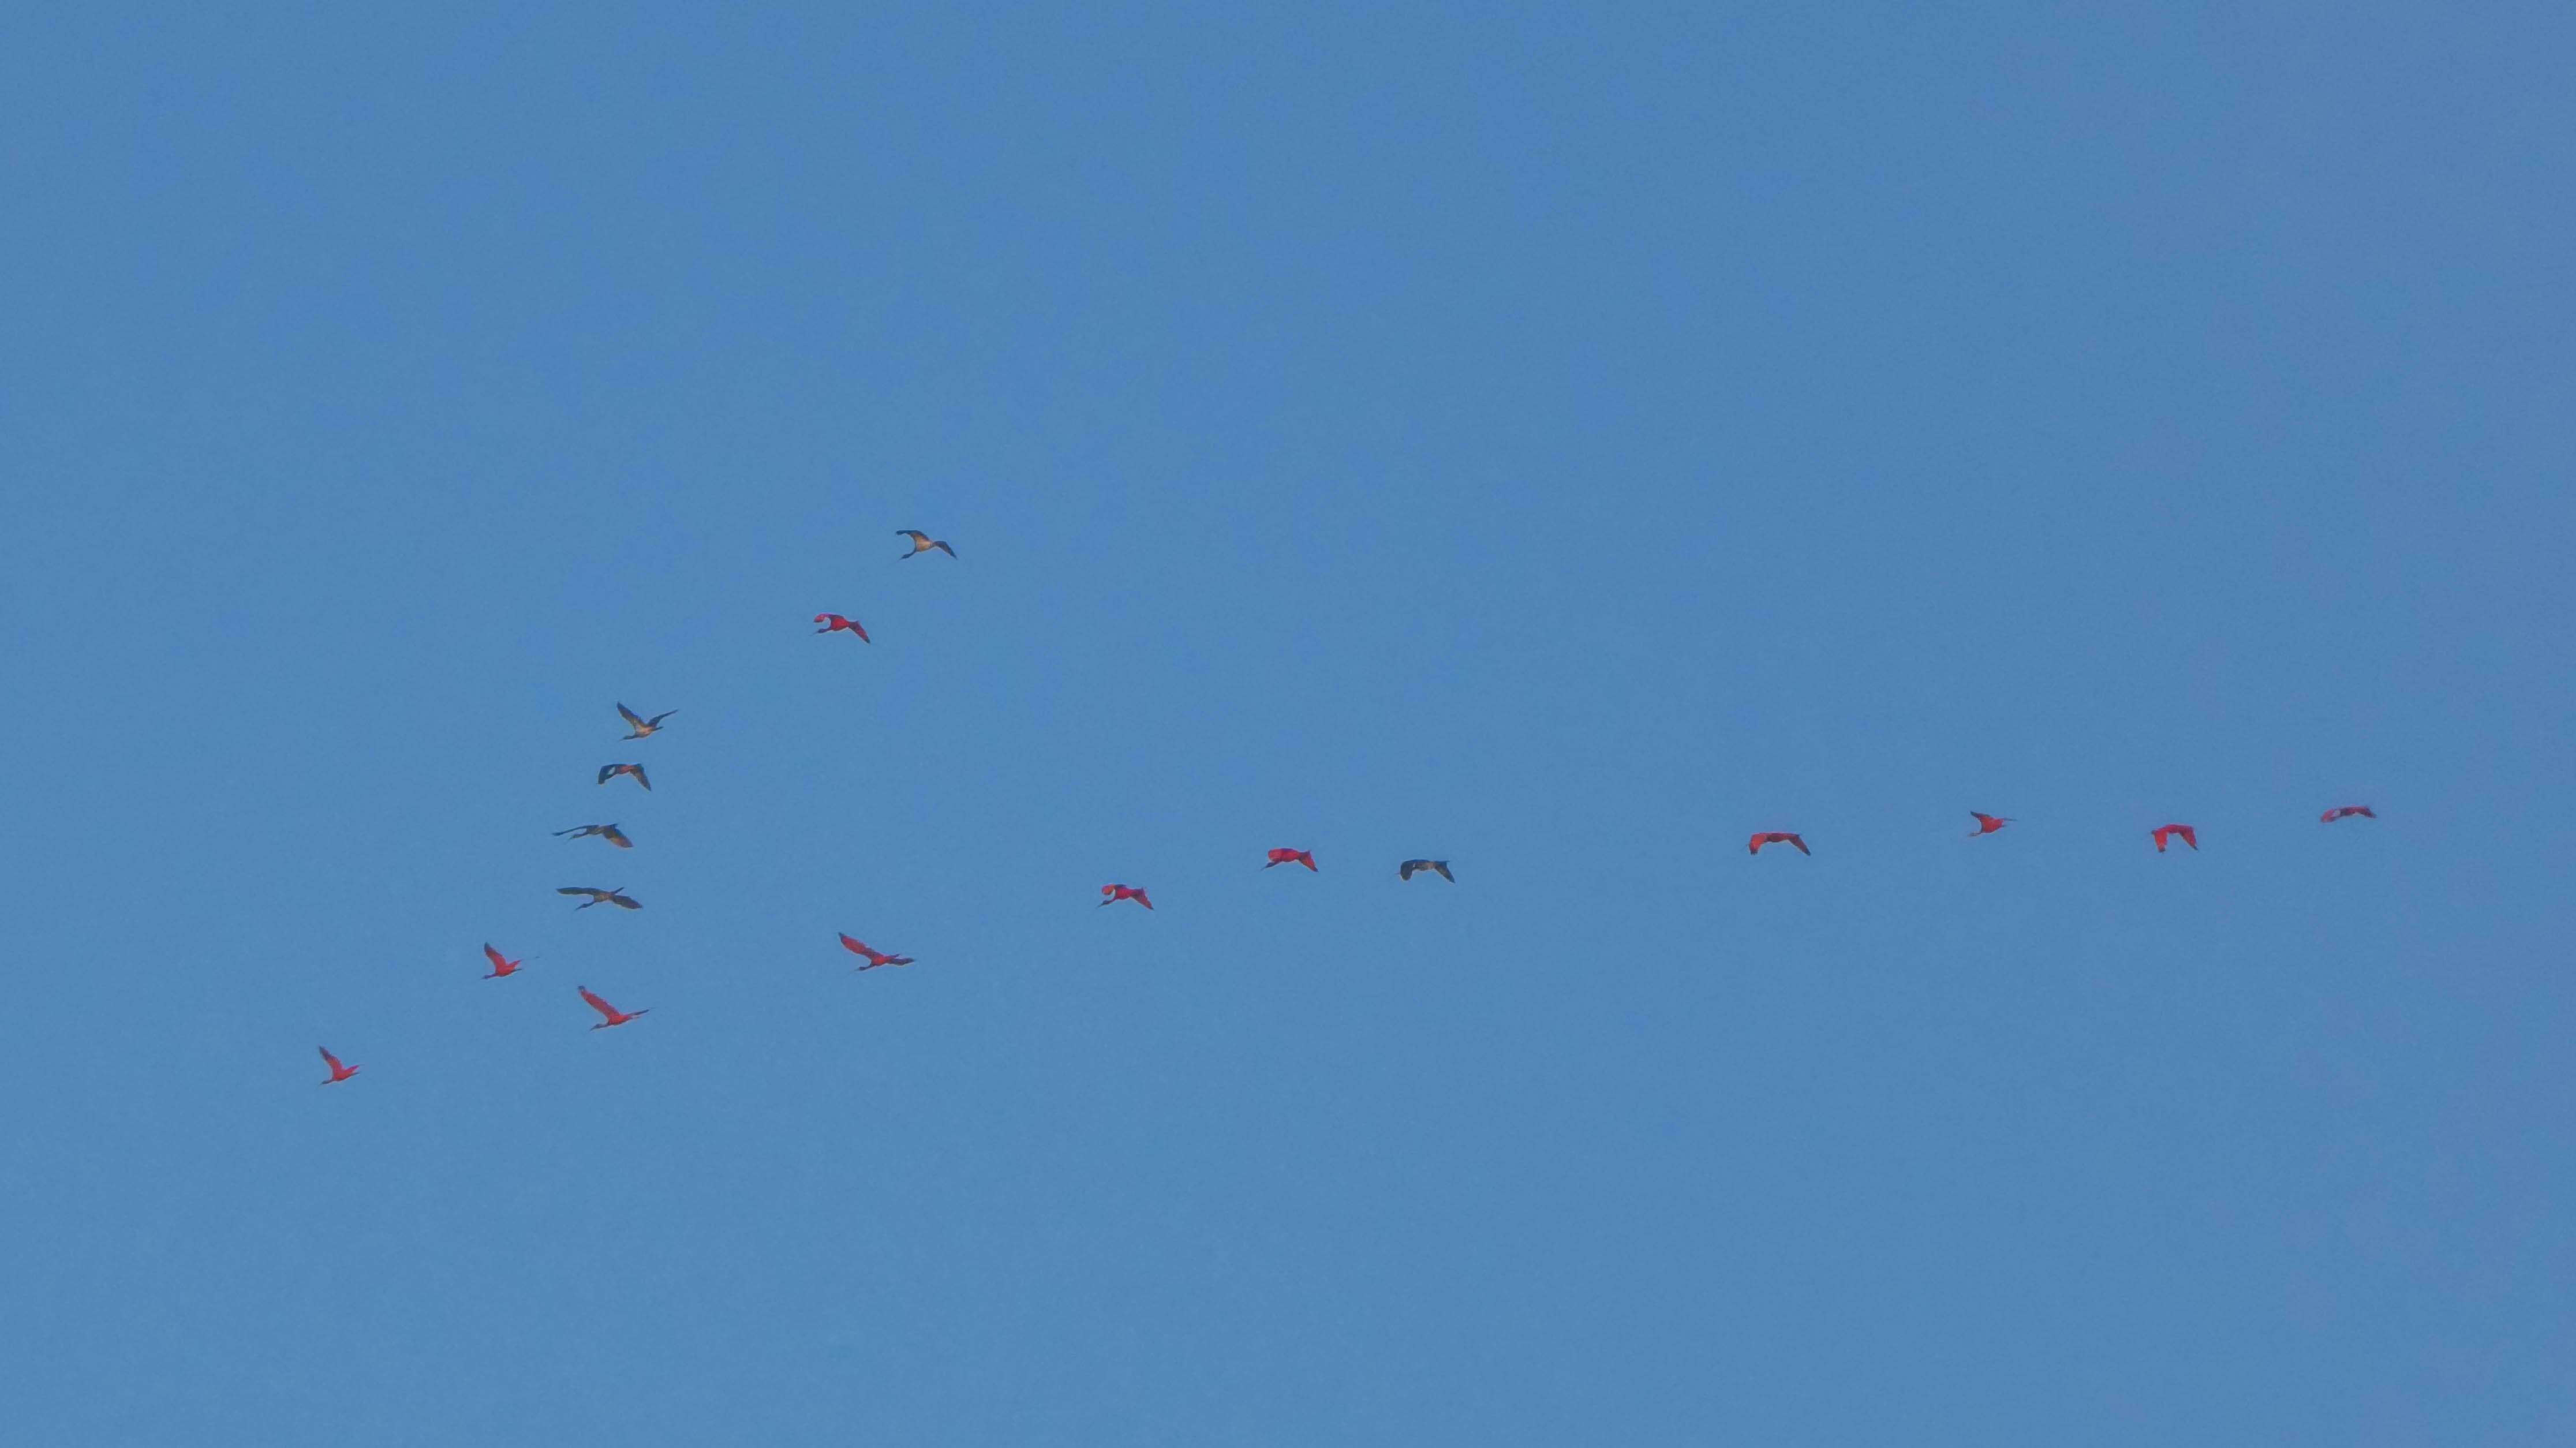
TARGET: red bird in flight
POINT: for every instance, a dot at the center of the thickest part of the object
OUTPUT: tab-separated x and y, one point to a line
875	958
2166	831
339	1073
1117	893
500	967
1292	857
615	1016
2342	811
608	772
1778	837
1987	824
832	622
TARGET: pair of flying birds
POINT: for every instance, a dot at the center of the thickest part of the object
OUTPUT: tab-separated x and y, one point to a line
342	1071
921	543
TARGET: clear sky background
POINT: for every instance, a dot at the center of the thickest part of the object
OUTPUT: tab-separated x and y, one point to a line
1558	440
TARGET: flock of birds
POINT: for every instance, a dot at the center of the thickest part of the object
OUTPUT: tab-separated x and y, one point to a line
641	727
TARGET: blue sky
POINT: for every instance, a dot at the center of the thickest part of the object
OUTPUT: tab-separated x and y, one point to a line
1558	441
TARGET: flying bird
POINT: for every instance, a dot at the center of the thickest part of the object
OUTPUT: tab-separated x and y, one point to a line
923	543
1292	857
339	1073
1117	893
643	726
2342	811
832	622
500	966
614	897
610	833
608	772
1437	867
2165	831
1778	837
1987	824
875	958
615	1016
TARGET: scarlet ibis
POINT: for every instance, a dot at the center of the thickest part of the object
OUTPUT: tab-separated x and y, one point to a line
923	543
615	1016
1778	837
875	957
500	965
1438	867
610	833
1292	857
608	772
642	726
614	897
1987	824
1117	893
339	1073
2163	832
833	621
2344	811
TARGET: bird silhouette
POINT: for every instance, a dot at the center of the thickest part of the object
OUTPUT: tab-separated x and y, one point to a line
339	1073
2347	811
1987	824
616	897
1117	893
610	833
832	622
1292	857
500	966
642	726
1778	837
875	957
608	772
923	543
1406	870
615	1016
2165	832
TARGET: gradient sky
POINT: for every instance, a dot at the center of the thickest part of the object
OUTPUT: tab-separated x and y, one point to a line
1558	441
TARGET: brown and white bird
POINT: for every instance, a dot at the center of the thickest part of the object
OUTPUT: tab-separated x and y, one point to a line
610	833
1440	868
923	543
616	897
643	726
608	772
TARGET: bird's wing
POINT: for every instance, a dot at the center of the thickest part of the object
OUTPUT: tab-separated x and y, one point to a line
915	534
607	772
617	837
944	548
1801	844
658	718
332	1060
638	771
601	1006
855	947
575	890
633	720
1443	867
624	903
494	956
